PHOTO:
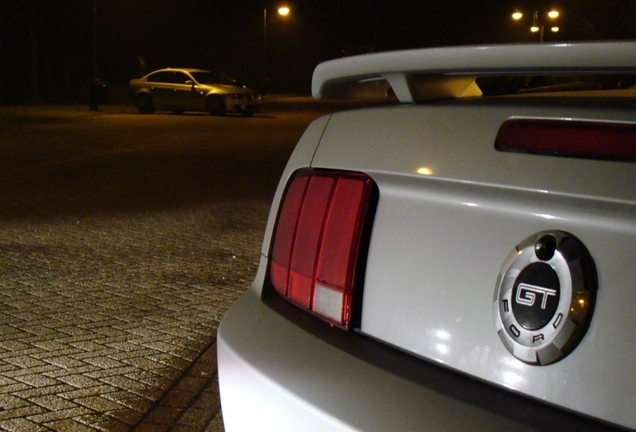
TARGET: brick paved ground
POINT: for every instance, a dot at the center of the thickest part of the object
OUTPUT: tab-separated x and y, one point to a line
101	315
123	240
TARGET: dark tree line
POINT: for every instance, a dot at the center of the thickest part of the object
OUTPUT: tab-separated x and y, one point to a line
49	50
600	20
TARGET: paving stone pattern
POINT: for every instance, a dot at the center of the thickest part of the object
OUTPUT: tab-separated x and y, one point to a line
108	321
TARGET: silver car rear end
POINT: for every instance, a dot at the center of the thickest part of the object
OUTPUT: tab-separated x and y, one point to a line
450	209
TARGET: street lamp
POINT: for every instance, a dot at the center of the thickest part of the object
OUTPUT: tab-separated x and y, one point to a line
283	11
538	24
97	88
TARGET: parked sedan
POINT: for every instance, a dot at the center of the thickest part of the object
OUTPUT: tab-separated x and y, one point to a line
180	90
455	262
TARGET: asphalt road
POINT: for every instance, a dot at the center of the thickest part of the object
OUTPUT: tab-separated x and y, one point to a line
123	240
67	160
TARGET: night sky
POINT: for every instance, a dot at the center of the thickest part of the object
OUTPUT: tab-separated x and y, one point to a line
47	45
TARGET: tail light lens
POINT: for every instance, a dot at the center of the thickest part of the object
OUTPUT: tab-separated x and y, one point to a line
317	240
569	138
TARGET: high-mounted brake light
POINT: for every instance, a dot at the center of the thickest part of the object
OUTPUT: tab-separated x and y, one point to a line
317	239
569	138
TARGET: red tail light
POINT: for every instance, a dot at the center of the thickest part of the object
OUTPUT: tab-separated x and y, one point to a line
317	239
581	139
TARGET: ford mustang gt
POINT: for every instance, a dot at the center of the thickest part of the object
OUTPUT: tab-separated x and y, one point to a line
460	261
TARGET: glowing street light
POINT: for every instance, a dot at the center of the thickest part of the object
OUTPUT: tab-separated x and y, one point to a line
538	25
284	12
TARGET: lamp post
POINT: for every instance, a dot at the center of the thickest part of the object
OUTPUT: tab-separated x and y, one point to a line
282	11
93	95
538	21
97	88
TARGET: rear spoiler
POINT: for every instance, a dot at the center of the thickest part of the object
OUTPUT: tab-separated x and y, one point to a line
421	75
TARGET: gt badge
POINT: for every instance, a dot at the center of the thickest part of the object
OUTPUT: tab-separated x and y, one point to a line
544	297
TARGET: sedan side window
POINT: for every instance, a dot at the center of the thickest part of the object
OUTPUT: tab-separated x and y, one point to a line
162	77
180	78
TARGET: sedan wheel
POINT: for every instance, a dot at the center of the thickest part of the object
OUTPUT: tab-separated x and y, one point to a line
215	105
145	104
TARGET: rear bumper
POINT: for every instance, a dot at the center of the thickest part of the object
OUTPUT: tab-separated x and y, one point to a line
283	370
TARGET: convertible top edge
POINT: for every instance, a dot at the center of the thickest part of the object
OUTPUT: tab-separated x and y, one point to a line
426	74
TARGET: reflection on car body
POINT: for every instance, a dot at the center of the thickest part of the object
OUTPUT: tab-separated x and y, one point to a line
451	263
180	90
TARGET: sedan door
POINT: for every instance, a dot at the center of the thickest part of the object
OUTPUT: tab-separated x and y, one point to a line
161	89
186	97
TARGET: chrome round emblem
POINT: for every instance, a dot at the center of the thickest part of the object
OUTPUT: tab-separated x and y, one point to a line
544	297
